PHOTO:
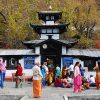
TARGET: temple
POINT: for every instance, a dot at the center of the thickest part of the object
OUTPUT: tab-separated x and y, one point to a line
49	45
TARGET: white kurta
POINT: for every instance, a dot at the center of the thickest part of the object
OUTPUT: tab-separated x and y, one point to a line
37	75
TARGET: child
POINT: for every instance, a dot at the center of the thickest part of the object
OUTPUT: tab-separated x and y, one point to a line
58	82
92	81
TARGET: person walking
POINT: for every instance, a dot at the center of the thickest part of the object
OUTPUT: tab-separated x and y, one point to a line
2	72
37	81
18	75
77	78
97	69
71	70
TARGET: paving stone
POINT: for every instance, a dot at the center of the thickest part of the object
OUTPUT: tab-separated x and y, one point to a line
48	93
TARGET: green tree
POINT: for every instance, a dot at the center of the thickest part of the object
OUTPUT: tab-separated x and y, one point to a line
18	18
17	15
85	21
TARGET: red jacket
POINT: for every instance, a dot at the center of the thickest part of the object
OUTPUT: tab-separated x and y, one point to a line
19	71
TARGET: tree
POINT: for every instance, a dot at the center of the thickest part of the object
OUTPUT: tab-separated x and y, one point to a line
85	20
3	26
17	15
18	20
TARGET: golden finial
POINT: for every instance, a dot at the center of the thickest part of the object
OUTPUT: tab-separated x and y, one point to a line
50	8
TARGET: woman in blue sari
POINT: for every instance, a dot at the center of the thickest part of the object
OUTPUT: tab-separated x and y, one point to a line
44	75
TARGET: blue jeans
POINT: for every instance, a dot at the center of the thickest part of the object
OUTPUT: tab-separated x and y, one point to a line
93	84
2	74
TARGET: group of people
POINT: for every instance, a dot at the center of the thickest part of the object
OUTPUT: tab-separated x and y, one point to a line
46	74
73	76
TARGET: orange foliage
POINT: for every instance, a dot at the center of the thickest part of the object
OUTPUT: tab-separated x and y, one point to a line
97	44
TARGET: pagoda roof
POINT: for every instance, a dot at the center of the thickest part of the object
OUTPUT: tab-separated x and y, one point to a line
62	27
35	43
17	52
50	12
57	15
83	52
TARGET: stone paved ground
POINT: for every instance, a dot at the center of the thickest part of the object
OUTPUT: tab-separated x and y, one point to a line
10	97
49	92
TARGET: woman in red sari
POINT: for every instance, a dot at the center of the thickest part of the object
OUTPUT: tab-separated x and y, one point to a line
77	78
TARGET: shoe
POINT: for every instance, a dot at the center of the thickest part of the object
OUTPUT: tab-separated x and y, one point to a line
37	97
20	85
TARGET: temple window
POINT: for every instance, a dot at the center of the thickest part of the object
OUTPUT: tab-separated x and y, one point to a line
13	61
56	30
90	64
47	17
43	30
11	64
52	17
49	30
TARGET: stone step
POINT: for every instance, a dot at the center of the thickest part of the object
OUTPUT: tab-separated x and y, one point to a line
92	97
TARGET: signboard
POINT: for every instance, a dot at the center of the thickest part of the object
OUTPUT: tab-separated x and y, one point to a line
67	61
28	62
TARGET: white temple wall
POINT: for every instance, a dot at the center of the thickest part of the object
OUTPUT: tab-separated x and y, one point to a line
61	63
38	59
37	50
63	50
49	23
26	71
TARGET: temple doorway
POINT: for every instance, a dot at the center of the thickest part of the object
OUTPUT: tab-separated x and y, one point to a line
52	52
51	59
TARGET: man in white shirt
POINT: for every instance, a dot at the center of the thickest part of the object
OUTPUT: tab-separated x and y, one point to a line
71	70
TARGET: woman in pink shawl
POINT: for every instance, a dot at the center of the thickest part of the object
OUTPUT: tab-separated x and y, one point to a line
2	73
77	78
